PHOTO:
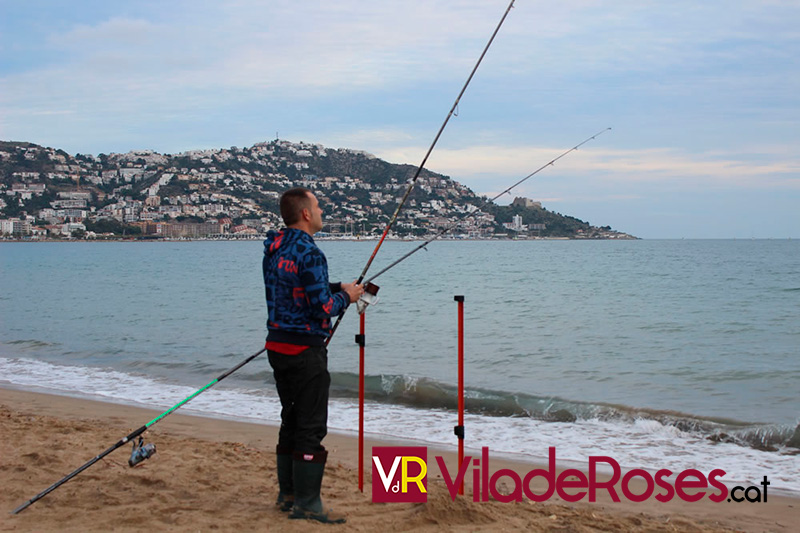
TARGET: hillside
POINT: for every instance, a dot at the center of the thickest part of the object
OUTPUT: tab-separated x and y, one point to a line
235	191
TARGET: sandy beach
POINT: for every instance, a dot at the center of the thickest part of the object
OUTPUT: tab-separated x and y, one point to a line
218	475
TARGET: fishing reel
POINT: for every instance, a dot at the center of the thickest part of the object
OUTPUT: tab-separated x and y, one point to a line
369	297
141	452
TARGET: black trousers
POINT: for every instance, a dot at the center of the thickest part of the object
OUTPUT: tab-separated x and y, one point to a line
303	383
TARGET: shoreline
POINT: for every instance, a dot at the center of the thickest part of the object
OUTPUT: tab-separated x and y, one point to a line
48	436
261	237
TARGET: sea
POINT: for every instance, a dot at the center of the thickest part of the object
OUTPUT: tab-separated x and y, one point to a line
672	354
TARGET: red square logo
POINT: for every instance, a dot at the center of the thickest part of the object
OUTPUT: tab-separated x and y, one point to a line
400	474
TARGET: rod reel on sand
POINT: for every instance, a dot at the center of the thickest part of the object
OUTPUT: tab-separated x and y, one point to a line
141	452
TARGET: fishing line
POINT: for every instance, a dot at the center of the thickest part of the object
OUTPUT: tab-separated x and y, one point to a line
140	452
413	181
455	224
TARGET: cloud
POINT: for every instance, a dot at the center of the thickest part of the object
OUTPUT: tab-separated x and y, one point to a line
116	32
281	44
243	52
389	136
228	62
309	47
779	169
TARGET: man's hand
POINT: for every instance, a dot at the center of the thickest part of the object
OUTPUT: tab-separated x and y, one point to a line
353	290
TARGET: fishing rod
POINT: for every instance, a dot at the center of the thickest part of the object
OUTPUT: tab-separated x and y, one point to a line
455	224
140	451
413	181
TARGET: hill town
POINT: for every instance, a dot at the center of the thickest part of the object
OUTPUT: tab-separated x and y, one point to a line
46	193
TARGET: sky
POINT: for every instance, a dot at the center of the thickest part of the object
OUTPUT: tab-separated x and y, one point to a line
702	98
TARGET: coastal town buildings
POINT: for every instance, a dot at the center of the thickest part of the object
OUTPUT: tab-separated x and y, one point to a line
229	193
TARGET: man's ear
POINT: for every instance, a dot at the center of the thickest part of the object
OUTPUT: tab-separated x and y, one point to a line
306	213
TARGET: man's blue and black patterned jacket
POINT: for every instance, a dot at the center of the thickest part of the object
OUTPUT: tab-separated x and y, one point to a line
300	300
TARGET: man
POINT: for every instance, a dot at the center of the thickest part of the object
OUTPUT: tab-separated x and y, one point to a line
300	304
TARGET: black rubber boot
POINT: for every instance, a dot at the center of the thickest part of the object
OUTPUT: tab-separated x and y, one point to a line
308	472
285	482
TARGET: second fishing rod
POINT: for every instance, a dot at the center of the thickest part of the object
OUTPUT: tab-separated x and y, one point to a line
479	209
371	289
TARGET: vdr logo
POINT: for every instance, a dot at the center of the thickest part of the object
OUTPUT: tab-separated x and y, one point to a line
400	474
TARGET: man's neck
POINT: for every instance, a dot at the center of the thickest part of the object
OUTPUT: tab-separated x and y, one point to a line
302	227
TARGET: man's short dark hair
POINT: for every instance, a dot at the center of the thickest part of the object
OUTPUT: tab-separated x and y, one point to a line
293	202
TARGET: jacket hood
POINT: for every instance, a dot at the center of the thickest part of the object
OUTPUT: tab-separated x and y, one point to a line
279	239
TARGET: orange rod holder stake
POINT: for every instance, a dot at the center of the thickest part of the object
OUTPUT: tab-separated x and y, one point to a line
459	429
361	341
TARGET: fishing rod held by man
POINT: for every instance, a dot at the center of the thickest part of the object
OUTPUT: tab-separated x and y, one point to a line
413	180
